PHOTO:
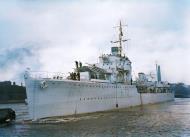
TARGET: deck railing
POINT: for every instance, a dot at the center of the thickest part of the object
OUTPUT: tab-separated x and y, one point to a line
47	75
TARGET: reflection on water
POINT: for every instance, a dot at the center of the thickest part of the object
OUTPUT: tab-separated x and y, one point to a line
166	119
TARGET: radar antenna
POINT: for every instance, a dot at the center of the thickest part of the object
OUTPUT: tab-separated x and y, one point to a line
121	40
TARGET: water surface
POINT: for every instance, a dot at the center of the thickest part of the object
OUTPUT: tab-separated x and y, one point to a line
165	119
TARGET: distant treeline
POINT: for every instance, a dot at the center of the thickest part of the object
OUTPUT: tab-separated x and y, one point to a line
181	90
11	93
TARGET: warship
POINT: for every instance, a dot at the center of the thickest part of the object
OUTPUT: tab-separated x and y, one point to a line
102	86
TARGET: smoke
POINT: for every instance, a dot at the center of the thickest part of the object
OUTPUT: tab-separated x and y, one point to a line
14	61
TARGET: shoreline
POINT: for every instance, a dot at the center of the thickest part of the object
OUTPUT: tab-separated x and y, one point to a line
12	101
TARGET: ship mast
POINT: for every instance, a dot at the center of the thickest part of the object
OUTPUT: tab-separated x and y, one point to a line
121	40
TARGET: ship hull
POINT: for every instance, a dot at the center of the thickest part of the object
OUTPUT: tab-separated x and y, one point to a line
64	97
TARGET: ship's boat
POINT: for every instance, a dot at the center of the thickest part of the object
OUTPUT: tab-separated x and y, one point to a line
96	87
7	116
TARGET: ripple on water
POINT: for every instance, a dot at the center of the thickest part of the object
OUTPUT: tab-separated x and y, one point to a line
165	119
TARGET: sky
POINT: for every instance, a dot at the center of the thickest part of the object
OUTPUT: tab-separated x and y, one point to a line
49	35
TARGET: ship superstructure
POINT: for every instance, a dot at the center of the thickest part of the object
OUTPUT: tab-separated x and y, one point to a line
111	68
95	87
146	86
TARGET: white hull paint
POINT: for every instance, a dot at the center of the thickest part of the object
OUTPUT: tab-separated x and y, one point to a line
67	97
